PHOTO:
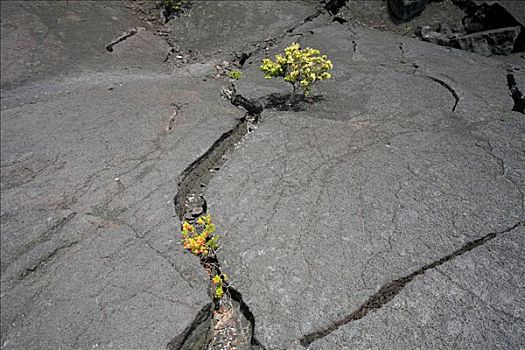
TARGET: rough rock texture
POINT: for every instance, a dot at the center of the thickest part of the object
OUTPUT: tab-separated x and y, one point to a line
489	15
48	39
515	8
401	163
374	14
408	154
91	153
89	248
432	313
490	42
214	28
427	34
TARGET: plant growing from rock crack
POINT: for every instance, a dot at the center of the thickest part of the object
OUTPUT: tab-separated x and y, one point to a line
235	74
218	285
173	7
200	240
299	67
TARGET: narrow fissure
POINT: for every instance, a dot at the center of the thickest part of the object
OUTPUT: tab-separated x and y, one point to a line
241	58
388	291
121	38
197	175
515	93
449	88
204	332
190	205
402	50
339	20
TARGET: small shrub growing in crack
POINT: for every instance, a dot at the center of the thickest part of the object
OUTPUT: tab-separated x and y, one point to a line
235	74
200	239
299	67
218	285
227	320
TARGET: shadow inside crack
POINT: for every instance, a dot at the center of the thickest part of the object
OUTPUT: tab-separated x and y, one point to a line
285	102
390	290
196	335
205	332
515	93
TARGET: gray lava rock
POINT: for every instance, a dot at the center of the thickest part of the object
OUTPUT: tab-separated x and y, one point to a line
405	10
320	208
427	34
445	29
442	36
514	8
490	42
472	24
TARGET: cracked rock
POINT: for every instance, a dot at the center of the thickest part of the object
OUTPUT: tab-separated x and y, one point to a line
368	185
432	310
427	34
490	42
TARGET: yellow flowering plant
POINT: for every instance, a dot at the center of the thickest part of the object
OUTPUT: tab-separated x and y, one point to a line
299	67
218	285
200	239
235	74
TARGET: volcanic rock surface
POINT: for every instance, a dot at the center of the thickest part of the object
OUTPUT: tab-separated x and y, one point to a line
388	212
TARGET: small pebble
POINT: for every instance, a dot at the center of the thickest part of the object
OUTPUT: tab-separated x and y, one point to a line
197	211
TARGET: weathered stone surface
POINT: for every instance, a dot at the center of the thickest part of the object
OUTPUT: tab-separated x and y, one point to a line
90	253
475	301
427	34
46	39
375	14
320	208
402	158
515	8
90	256
216	28
490	42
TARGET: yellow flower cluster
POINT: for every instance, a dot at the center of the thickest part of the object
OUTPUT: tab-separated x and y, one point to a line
235	74
218	282
303	66
199	239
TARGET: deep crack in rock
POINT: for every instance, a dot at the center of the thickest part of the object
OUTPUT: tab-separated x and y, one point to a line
189	205
195	335
449	88
515	93
241	58
121	38
334	6
339	20
388	291
195	177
